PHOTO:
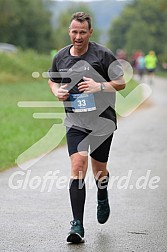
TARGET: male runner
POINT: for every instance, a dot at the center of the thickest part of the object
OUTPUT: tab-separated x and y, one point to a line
92	76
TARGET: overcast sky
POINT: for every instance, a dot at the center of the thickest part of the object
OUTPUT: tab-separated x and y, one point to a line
77	0
85	0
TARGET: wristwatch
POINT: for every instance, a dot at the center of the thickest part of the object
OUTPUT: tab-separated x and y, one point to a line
103	87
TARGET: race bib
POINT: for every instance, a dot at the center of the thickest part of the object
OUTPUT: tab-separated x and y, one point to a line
82	102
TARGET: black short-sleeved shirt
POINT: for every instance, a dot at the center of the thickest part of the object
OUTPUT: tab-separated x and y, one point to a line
96	63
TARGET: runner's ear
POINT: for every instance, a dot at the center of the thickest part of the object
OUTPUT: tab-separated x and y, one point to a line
91	31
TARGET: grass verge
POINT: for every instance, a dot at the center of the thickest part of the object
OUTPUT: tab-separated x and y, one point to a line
19	130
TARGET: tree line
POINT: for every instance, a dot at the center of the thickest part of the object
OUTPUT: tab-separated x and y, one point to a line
26	23
142	25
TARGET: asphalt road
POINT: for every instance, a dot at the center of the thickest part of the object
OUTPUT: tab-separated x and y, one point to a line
35	215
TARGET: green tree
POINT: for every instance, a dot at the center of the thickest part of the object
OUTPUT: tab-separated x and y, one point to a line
135	41
26	23
141	25
61	37
119	27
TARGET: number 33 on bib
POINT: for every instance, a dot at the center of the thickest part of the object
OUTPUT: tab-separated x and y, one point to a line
82	102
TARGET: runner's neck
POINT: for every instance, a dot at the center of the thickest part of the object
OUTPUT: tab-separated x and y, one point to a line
75	52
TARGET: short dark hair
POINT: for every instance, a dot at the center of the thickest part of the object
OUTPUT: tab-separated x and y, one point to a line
82	17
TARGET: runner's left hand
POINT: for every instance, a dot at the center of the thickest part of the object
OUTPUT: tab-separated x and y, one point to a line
89	86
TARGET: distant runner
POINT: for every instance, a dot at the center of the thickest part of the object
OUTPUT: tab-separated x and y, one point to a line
151	65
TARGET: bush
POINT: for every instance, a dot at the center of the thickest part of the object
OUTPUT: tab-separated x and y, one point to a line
21	65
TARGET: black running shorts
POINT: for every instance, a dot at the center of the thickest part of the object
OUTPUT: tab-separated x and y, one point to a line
79	139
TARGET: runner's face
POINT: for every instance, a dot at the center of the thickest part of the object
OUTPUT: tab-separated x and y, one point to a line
80	34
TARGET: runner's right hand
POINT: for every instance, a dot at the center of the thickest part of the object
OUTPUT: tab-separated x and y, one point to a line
62	93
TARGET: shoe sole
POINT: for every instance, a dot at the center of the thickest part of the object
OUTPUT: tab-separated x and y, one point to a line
75	238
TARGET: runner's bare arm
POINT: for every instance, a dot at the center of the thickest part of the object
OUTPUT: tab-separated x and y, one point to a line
90	86
58	90
117	84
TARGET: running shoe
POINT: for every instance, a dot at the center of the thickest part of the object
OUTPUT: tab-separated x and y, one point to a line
76	235
103	211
